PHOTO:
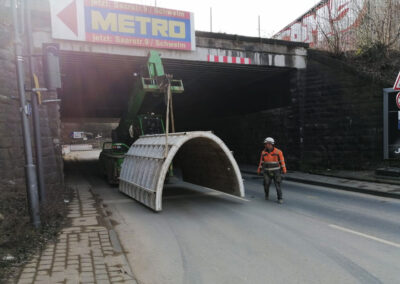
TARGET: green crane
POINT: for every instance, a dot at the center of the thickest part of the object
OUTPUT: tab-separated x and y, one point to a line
133	124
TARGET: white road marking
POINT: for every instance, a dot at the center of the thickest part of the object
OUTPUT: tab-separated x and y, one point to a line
365	236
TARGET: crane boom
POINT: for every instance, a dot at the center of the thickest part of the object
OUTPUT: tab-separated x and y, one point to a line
154	83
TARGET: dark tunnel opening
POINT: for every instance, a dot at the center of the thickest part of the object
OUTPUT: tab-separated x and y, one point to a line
97	87
202	162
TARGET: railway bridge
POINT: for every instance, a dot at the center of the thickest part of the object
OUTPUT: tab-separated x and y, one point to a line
241	88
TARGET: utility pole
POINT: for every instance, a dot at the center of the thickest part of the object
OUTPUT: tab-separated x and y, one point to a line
259	26
210	19
30	169
35	105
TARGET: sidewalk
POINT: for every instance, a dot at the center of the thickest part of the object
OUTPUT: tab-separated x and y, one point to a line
87	251
379	189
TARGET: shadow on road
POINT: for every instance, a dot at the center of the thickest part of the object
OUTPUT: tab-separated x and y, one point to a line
175	190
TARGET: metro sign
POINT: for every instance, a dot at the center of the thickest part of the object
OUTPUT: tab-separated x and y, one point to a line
109	22
396	86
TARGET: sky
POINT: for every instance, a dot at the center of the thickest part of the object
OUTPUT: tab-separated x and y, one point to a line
238	17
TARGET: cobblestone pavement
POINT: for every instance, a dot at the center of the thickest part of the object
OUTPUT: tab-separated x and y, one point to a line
83	252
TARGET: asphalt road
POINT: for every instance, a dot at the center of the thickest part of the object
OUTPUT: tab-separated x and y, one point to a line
318	235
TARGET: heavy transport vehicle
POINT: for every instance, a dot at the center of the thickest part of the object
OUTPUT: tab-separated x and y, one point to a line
133	124
158	157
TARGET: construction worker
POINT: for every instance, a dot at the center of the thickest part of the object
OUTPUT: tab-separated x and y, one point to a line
272	164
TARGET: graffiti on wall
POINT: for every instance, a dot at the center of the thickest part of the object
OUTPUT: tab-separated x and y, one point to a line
323	20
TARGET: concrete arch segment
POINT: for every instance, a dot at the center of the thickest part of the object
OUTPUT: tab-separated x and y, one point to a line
203	158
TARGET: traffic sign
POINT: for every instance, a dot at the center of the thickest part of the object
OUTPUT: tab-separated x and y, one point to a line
397	84
398	100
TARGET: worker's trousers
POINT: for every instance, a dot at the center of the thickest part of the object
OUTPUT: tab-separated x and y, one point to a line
277	178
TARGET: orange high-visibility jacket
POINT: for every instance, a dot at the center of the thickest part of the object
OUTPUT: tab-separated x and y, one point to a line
273	160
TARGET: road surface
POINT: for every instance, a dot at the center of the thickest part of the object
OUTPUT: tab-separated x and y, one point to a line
318	235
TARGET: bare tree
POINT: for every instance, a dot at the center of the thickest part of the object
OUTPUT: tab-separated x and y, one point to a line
336	21
380	26
331	34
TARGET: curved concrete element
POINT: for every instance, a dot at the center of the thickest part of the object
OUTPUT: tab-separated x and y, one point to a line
202	157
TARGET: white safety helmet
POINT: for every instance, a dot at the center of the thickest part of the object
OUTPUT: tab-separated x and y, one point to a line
269	140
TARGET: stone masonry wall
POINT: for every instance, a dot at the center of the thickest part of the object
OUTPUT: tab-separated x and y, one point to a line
17	236
342	116
12	158
244	134
334	120
11	145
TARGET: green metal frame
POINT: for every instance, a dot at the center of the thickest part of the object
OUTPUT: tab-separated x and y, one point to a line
150	85
143	86
140	118
121	144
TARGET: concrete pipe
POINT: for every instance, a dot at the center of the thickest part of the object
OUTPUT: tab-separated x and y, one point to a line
201	156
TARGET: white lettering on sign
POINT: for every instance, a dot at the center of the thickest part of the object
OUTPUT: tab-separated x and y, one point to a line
111	22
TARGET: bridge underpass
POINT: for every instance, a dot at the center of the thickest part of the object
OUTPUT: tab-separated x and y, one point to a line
99	86
241	104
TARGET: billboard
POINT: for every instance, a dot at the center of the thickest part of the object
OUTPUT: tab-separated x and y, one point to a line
109	22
